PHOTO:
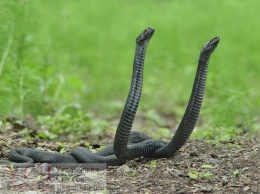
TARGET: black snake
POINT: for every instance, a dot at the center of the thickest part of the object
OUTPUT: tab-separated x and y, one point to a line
23	157
127	144
124	151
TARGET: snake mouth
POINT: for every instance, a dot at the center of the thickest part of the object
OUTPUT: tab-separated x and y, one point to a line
214	41
146	35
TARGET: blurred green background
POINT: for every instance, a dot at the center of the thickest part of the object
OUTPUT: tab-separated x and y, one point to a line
59	55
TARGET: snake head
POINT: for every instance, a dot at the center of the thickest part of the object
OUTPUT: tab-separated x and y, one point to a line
145	36
210	46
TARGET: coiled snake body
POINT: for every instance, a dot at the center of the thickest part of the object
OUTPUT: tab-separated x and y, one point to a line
127	144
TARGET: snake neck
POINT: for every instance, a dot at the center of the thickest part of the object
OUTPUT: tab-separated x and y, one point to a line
129	112
190	116
192	111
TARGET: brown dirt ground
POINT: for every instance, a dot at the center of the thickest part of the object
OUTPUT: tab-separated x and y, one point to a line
234	170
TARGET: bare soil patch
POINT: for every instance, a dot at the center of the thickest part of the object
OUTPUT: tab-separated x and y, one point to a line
199	167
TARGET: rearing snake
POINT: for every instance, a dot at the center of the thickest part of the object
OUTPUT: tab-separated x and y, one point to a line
127	144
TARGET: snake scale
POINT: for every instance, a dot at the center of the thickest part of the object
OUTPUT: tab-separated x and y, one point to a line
131	144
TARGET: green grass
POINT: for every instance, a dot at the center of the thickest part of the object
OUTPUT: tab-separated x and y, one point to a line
60	56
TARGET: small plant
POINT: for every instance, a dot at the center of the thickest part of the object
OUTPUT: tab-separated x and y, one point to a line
207	175
100	148
153	164
74	126
235	172
206	166
63	150
225	138
193	174
61	144
88	145
46	135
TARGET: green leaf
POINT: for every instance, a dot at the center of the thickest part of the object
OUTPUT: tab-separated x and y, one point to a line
87	144
52	136
100	148
207	175
225	138
153	164
206	166
132	174
42	135
217	145
235	172
193	174
47	135
63	150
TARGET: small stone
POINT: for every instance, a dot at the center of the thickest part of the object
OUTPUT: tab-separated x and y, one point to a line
224	180
246	188
17	183
30	192
215	161
124	169
206	189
